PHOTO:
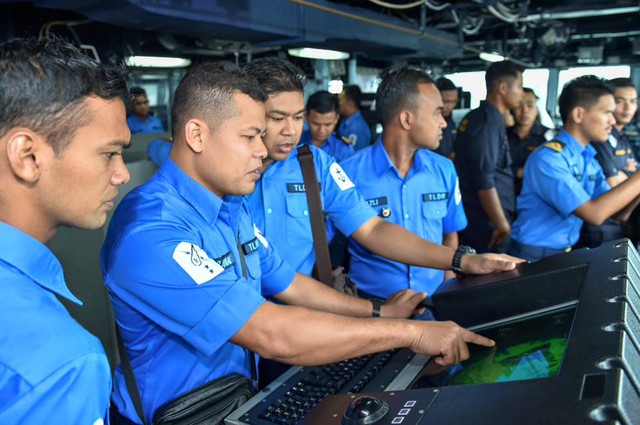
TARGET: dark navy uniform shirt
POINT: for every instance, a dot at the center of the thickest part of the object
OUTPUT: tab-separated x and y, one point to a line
483	160
448	136
172	265
426	202
279	205
520	149
614	153
559	177
52	371
356	129
334	146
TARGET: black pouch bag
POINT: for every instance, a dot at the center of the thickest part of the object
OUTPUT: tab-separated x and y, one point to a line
208	404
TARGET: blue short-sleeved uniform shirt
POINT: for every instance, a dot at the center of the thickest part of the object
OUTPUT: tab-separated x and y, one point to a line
153	124
559	177
279	206
159	150
448	136
426	202
483	160
334	146
173	269
51	369
613	154
356	129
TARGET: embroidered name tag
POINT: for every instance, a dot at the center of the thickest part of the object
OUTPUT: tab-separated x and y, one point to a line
376	202
298	187
250	247
437	196
225	261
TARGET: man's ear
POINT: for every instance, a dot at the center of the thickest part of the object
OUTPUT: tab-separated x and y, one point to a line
503	87
577	114
406	119
194	130
24	154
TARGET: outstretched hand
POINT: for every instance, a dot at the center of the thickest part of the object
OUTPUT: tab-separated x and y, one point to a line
446	341
487	263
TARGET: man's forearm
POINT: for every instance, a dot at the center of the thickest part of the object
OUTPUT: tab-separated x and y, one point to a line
308	292
398	244
302	336
493	207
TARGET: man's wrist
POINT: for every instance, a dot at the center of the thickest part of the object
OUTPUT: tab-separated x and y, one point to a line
376	308
456	262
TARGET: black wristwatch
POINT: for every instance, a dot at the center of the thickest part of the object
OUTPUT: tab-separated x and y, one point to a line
456	264
376	304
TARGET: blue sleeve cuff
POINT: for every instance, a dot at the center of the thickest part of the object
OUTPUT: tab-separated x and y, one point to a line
353	219
226	318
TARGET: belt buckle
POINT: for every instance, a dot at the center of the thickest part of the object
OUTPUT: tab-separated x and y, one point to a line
567	249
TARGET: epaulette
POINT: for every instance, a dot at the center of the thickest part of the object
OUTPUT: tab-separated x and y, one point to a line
345	139
555	145
463	125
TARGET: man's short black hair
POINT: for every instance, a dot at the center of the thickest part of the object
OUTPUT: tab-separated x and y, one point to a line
43	84
398	90
353	93
501	71
277	75
530	90
206	92
445	84
619	83
323	102
137	91
584	92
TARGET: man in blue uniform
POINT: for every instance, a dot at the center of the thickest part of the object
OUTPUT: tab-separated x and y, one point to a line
322	116
279	203
62	131
449	93
483	161
617	160
188	270
353	125
564	185
406	183
140	120
525	135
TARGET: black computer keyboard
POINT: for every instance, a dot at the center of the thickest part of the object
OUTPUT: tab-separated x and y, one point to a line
292	396
322	381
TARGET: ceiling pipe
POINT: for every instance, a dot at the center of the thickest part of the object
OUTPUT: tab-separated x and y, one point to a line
579	14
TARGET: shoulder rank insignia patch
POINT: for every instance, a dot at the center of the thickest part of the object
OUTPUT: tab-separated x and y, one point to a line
463	125
555	145
345	140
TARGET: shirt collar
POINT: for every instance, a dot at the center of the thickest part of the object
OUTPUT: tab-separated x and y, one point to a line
574	146
491	109
353	117
305	139
205	202
382	162
33	259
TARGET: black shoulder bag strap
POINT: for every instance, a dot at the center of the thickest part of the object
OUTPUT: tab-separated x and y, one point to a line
129	378
318	228
252	359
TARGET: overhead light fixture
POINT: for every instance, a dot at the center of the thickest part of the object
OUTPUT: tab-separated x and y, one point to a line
311	53
335	86
156	62
491	57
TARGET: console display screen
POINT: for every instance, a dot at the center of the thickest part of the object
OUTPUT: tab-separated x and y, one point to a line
531	348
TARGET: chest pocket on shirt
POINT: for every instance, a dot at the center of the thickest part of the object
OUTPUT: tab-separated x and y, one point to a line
434	209
298	222
252	258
